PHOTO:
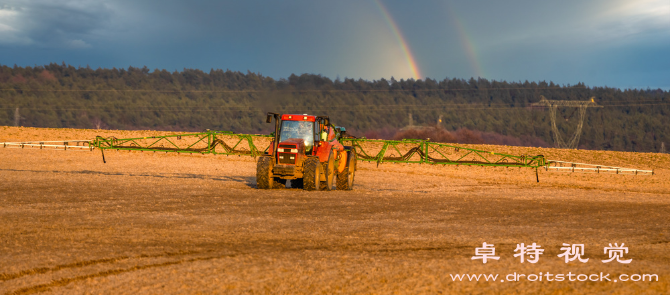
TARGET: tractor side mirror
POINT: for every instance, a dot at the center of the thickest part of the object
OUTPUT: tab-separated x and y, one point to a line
268	119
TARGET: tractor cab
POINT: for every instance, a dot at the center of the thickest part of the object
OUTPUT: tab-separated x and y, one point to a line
298	128
305	134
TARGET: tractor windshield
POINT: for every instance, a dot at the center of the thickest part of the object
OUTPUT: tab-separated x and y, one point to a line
298	129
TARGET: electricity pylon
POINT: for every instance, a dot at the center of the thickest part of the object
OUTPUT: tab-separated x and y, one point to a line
553	105
17	117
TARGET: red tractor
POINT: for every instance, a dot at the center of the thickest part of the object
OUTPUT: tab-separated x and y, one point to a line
306	150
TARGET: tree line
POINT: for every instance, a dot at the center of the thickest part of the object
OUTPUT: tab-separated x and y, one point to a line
474	110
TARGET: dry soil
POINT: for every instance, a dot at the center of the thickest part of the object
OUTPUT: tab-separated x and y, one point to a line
154	223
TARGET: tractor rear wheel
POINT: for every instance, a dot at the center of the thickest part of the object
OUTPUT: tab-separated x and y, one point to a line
264	177
329	172
345	179
312	174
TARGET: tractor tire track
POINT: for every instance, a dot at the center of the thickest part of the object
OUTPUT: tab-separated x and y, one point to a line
152	175
43	270
65	281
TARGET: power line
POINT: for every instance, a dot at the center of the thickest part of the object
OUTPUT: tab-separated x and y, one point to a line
464	106
290	90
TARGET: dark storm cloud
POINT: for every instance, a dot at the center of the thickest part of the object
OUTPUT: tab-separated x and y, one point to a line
598	42
54	24
276	38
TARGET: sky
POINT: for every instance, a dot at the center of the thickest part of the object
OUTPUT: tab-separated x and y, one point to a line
614	43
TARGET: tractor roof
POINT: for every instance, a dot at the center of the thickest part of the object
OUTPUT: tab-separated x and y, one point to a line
298	117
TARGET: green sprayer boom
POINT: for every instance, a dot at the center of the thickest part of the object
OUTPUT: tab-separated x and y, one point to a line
208	142
371	150
423	151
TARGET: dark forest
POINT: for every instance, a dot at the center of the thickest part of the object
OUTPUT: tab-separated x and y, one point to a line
471	111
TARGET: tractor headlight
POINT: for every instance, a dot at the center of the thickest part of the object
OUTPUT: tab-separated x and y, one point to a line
294	151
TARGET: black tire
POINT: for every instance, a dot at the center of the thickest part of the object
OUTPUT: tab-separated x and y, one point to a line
345	179
297	183
351	150
312	174
329	172
264	177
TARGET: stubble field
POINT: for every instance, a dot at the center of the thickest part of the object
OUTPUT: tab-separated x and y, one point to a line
154	223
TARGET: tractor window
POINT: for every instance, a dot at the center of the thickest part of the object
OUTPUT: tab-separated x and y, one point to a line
298	129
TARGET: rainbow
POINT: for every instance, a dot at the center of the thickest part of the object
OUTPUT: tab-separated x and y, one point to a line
466	41
411	62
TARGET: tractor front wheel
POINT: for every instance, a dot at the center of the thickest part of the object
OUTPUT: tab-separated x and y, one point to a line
312	174
264	177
